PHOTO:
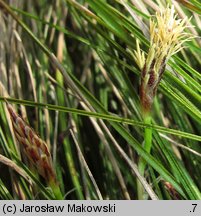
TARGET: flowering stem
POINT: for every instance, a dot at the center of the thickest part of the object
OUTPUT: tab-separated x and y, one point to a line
147	147
166	38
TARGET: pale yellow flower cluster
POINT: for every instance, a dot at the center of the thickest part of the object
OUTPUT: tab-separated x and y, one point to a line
167	36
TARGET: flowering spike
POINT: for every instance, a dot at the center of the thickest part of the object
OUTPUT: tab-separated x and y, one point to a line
166	38
35	148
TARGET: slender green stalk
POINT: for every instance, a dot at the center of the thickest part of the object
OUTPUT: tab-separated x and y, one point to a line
147	147
104	117
147	142
56	190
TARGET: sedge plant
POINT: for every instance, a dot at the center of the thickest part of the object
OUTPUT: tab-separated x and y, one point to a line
166	38
88	44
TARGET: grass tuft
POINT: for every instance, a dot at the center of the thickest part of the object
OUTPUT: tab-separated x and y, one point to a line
72	115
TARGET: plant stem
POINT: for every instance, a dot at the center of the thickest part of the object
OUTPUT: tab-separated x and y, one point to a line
56	190
147	147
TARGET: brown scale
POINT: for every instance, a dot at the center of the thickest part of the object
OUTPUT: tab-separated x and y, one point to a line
173	193
30	134
48	171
